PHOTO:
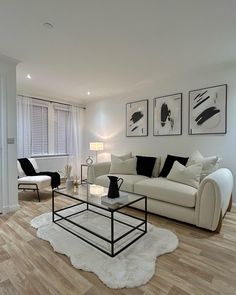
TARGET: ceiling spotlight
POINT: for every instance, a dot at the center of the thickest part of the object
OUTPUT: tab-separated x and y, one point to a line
28	76
88	92
48	26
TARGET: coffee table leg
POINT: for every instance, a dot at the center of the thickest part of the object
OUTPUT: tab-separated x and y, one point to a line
145	214
112	234
53	206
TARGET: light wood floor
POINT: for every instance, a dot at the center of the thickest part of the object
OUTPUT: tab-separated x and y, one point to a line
204	263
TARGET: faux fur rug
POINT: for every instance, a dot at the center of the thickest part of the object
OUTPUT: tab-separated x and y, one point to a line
133	267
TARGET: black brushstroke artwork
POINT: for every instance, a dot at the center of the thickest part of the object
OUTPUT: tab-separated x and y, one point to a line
134	128
208	110
200	94
166	116
206	115
203	100
136	117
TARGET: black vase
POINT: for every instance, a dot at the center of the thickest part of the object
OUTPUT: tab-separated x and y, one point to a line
113	191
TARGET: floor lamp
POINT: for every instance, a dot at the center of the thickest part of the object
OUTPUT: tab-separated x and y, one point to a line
96	146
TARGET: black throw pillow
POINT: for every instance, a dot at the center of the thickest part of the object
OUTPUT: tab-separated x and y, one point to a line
145	165
169	163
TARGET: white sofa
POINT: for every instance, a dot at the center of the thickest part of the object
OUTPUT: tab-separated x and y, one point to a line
204	207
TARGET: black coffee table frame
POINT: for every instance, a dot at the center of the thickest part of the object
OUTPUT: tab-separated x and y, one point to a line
89	207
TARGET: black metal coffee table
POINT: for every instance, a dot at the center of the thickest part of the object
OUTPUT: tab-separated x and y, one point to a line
88	198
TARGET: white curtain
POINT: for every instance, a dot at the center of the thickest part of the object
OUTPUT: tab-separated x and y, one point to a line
75	139
23	126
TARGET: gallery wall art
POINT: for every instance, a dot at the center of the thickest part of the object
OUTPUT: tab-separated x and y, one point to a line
167	115
208	110
137	118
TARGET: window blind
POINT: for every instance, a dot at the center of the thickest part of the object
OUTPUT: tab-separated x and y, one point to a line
39	127
61	127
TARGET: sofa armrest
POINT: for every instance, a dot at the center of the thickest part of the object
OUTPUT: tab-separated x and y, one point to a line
213	199
97	169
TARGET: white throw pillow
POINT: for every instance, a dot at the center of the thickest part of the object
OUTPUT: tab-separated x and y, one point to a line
209	164
188	175
156	170
122	157
119	166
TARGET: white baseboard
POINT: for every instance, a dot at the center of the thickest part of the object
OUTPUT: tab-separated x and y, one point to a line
234	205
12	208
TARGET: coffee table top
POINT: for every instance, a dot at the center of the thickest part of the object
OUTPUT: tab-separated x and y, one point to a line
92	194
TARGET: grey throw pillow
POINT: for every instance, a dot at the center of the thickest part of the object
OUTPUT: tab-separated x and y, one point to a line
119	166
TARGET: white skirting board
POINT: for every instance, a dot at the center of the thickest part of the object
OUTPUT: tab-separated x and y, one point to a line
234	204
12	208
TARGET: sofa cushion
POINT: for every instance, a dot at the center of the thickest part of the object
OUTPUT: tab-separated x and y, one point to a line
119	166
121	157
170	159
168	191
188	175
145	165
128	184
156	169
209	164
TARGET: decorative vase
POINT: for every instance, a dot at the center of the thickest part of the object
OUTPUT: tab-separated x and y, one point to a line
69	183
113	191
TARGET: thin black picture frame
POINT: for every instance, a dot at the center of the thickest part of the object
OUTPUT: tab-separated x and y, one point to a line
181	111
225	111
146	121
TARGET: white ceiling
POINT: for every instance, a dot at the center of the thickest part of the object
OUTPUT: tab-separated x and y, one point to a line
109	47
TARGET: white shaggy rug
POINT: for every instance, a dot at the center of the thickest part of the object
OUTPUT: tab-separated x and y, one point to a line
133	267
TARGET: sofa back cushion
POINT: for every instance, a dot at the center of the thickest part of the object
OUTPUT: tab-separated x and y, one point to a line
119	166
122	157
145	165
156	168
187	175
170	159
209	164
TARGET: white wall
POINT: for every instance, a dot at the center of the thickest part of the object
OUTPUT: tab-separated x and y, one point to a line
8	76
105	120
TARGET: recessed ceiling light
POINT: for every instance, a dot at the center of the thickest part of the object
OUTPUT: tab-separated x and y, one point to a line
88	92
48	26
28	76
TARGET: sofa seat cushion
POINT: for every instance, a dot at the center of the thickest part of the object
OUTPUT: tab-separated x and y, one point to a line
166	190
42	181
127	185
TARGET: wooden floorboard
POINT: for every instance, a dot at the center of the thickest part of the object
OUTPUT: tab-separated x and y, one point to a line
204	263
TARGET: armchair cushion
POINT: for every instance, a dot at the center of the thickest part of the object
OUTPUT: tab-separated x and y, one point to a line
42	181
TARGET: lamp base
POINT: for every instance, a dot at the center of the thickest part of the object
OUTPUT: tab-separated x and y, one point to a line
89	160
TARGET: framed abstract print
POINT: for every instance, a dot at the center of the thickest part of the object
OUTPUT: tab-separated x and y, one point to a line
167	115
208	110
137	118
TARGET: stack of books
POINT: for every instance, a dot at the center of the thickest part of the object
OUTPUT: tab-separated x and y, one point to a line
123	198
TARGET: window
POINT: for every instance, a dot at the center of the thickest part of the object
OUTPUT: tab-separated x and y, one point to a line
61	128
43	127
39	129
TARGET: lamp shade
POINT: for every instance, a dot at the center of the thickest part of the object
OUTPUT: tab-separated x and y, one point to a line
96	146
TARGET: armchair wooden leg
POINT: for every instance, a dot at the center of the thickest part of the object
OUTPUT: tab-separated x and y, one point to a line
230	203
219	224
